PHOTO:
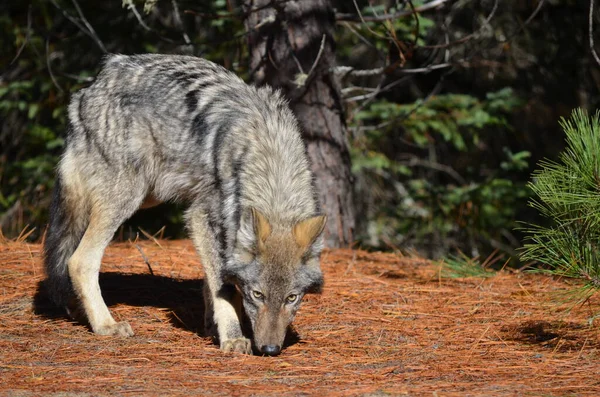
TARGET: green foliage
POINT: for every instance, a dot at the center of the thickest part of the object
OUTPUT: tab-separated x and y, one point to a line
462	266
389	33
568	193
32	109
375	161
437	173
455	117
465	205
402	29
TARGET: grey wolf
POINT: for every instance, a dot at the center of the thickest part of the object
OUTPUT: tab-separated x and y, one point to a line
156	128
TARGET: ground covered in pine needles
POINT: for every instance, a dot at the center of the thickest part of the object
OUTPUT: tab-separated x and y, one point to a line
385	325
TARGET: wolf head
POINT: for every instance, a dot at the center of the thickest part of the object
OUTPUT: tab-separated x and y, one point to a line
273	266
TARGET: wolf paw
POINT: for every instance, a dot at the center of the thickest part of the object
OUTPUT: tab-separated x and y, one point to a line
117	329
238	345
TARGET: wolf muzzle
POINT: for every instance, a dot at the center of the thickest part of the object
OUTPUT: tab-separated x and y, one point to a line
270	350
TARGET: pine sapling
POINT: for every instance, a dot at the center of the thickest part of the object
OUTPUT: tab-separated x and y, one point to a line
567	192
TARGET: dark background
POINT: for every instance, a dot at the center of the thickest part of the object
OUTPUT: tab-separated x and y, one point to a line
441	158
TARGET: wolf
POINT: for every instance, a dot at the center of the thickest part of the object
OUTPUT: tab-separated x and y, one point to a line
154	128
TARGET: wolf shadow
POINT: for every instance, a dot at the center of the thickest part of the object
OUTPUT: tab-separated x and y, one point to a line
182	298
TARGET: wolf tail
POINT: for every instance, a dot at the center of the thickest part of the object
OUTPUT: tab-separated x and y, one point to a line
69	219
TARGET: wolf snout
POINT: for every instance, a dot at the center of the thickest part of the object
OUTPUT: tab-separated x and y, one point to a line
270	350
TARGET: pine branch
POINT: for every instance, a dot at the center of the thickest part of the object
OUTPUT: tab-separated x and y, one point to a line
568	194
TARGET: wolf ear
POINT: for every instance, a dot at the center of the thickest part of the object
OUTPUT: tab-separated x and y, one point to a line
262	227
307	231
254	230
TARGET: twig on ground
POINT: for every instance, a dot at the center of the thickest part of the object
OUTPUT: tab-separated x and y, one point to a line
145	259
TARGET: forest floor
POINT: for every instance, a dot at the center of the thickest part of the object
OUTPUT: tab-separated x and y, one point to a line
384	325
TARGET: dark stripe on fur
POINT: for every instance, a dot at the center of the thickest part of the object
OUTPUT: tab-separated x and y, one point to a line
90	137
217	230
200	86
186	78
200	126
191	101
220	134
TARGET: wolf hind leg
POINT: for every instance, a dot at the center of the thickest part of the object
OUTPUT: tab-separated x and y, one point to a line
222	312
84	264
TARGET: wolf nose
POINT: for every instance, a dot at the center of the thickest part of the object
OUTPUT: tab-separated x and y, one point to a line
270	350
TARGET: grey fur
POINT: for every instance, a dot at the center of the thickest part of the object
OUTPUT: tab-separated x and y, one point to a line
155	128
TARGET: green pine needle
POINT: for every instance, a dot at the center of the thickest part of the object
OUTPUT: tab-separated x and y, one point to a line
568	193
461	266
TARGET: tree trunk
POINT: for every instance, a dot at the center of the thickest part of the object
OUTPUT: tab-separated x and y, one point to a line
288	41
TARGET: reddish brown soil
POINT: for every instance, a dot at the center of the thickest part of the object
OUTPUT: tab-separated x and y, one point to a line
385	325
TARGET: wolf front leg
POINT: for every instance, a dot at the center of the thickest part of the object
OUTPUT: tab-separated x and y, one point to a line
220	299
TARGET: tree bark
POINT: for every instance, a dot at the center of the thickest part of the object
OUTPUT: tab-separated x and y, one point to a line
288	39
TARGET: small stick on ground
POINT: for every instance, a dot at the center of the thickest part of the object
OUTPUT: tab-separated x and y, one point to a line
145	258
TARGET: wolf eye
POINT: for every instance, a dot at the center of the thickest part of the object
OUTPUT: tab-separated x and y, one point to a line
258	295
291	298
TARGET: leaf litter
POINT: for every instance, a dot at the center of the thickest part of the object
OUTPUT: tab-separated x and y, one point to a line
385	325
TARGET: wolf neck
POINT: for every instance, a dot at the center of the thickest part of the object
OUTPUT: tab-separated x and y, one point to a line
276	179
